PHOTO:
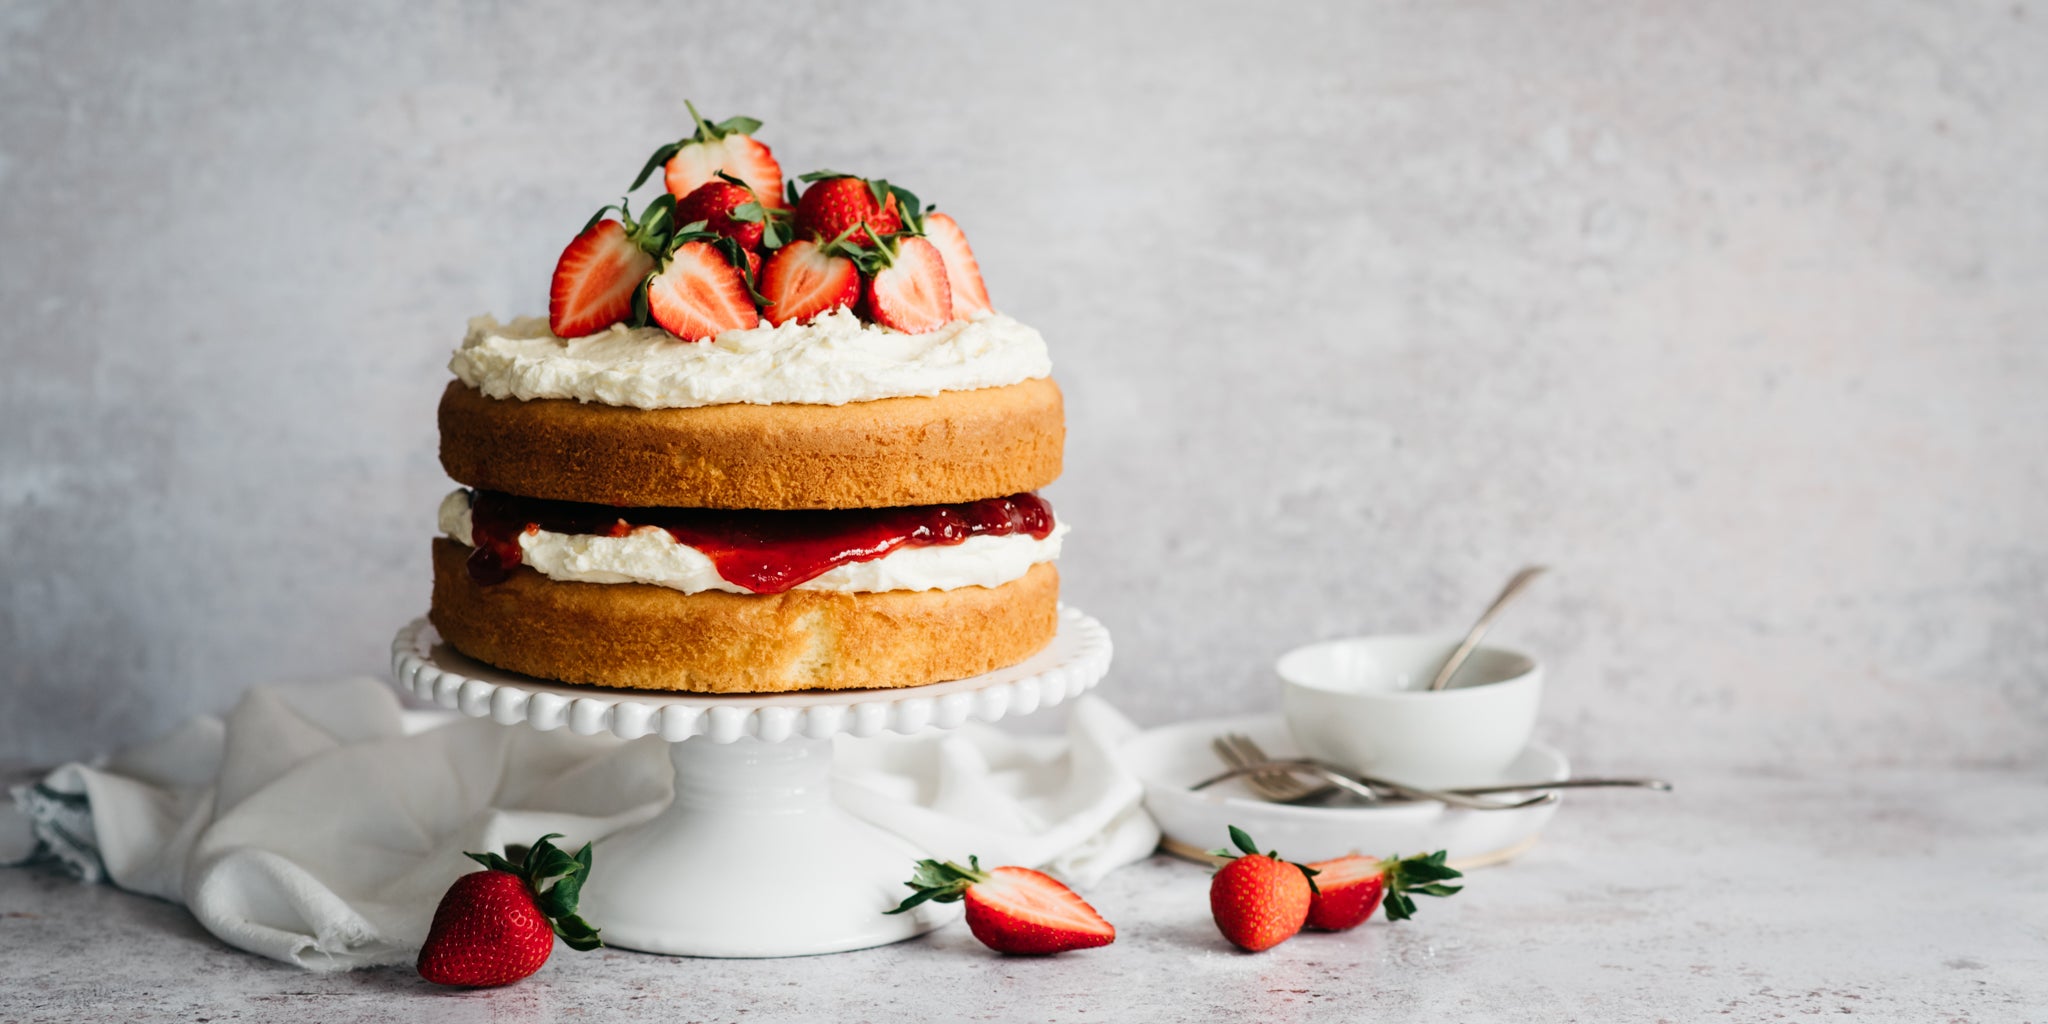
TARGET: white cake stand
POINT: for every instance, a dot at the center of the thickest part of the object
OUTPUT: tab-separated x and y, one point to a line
753	858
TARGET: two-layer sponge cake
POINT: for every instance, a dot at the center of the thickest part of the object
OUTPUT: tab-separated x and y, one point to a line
769	438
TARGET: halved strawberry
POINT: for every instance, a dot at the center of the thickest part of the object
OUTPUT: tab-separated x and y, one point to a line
597	273
963	272
837	206
1349	889
713	203
806	278
1010	909
727	146
906	286
699	294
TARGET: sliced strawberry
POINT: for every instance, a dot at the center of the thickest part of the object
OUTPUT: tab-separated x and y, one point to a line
963	273
838	206
906	289
1011	909
738	155
727	146
713	203
805	278
1349	889
699	294
594	280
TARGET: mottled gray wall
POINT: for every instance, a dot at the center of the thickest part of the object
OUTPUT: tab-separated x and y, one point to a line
1731	312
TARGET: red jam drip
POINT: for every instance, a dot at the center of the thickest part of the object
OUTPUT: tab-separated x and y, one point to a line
765	552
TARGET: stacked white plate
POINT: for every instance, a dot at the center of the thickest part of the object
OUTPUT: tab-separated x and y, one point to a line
1171	759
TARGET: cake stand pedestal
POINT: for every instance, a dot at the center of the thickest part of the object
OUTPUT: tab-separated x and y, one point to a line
753	857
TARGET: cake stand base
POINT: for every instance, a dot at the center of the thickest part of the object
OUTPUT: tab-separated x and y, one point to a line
754	859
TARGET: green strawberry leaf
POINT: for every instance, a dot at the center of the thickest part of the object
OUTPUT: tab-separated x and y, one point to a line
660	158
1423	873
940	882
1242	840
736	126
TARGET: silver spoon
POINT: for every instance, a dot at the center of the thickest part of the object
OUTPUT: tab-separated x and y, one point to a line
1478	630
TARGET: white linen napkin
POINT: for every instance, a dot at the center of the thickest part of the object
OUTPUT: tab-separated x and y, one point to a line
320	823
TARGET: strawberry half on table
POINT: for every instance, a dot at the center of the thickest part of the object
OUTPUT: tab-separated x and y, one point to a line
498	925
1349	889
1011	909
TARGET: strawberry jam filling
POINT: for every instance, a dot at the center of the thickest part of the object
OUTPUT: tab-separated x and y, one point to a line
765	552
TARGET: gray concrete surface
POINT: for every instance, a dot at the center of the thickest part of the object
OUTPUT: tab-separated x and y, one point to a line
1899	895
1730	312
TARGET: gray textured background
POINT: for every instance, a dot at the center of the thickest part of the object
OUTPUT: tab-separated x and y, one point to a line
1730	312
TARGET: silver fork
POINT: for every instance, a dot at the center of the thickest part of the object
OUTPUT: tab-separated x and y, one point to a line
1269	781
1270	778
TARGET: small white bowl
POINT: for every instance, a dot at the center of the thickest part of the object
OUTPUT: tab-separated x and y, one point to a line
1361	703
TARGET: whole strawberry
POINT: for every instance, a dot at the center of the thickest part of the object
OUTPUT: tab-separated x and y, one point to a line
716	204
498	925
1349	889
1011	909
836	207
1258	900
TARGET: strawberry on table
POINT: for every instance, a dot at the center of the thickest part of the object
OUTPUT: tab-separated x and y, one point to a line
963	272
1258	900
1010	909
597	274
700	292
806	278
498	925
728	146
1349	889
906	284
837	207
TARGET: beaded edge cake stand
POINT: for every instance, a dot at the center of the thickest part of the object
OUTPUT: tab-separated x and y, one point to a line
753	857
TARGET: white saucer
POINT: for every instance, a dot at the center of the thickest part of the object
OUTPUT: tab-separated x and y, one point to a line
1170	759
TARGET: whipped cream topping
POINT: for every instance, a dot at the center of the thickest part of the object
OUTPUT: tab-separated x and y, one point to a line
651	555
831	360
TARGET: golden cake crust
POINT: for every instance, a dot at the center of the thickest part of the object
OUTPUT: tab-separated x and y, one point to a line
643	636
952	447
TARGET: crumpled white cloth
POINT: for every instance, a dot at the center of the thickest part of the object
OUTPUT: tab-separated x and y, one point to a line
320	823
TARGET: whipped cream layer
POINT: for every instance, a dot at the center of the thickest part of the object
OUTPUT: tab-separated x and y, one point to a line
651	555
831	360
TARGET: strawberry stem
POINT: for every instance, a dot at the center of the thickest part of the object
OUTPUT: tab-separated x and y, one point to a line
705	132
1422	873
1243	841
940	882
555	878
